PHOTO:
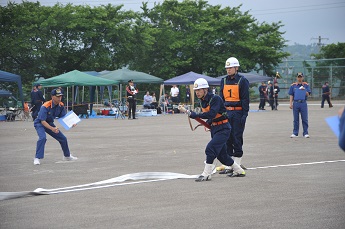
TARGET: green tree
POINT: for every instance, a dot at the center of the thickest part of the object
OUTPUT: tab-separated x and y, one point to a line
330	66
170	39
195	36
46	41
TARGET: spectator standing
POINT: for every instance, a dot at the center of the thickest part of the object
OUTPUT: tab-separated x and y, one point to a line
174	92
326	95
276	90
271	95
263	95
299	93
131	99
37	100
32	102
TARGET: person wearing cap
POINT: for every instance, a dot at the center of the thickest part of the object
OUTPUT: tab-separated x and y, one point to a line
37	99
44	124
326	95
234	90
299	92
132	91
263	95
214	111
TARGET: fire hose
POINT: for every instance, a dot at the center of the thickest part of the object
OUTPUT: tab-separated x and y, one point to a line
199	120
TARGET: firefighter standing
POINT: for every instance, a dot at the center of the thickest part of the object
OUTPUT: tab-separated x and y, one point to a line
326	95
234	90
299	93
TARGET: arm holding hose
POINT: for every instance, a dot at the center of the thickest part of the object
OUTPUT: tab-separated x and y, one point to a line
194	116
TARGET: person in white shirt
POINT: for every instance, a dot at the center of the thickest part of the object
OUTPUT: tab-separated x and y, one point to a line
174	92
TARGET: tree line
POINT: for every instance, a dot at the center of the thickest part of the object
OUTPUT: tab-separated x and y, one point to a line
170	39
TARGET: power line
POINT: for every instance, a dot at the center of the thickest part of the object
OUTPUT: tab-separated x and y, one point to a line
299	7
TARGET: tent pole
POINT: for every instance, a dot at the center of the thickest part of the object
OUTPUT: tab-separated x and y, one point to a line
72	97
192	96
97	94
67	98
82	100
121	92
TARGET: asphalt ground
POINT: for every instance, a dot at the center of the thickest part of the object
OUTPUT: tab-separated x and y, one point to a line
290	183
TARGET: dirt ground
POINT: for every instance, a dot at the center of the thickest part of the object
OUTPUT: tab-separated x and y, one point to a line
290	183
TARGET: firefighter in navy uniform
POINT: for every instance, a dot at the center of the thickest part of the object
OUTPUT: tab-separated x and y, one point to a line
299	92
214	111
263	95
131	98
234	90
326	95
37	99
44	124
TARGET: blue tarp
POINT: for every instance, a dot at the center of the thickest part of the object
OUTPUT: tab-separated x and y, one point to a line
9	77
4	93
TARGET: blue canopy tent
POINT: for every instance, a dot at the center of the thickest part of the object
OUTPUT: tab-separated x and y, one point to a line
188	79
10	77
252	77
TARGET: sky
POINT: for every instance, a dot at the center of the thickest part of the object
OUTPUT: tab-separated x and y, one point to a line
305	21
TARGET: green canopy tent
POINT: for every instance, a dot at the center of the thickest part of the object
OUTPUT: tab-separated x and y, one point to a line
76	78
123	75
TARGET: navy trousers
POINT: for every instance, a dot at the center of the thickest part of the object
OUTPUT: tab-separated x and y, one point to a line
42	138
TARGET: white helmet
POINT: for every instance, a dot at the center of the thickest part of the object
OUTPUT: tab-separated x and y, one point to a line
232	62
200	83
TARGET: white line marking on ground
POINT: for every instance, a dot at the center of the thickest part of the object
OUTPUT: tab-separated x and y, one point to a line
297	164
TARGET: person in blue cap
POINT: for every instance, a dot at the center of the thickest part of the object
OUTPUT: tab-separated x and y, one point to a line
299	92
44	123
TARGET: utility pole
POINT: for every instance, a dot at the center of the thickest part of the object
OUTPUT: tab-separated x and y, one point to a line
320	39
